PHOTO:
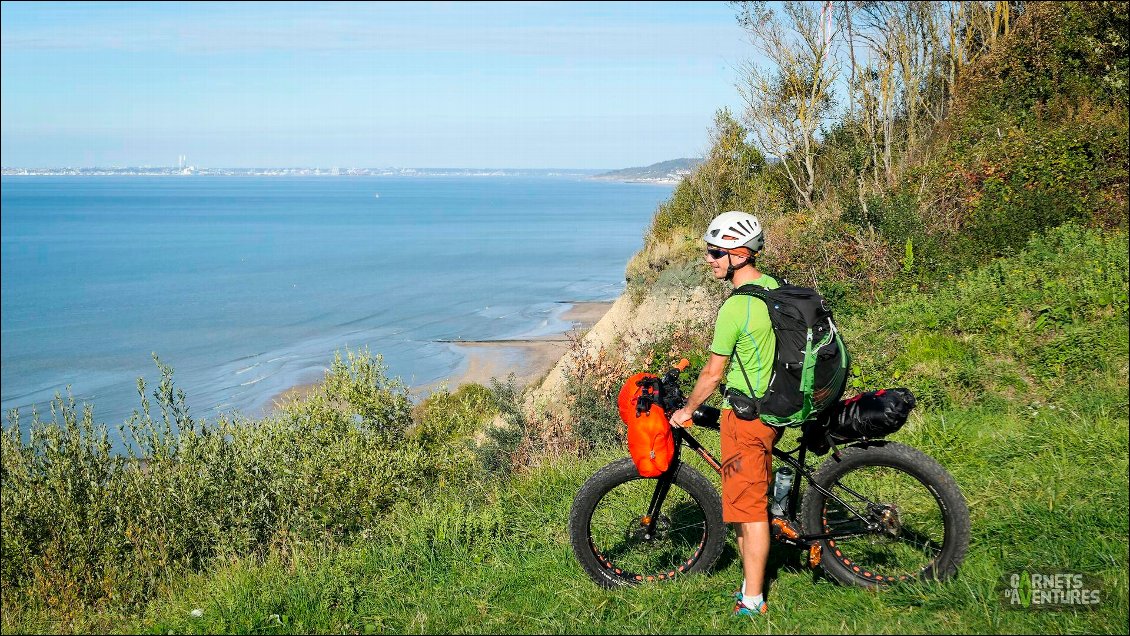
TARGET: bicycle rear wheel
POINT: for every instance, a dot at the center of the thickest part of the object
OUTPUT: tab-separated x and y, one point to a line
914	525
608	529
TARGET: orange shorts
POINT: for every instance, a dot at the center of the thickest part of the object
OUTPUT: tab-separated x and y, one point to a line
747	463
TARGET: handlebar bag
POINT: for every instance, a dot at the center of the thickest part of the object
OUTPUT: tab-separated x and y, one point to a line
650	441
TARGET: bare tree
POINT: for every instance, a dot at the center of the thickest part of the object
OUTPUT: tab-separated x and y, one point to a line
906	60
915	52
973	28
787	103
907	38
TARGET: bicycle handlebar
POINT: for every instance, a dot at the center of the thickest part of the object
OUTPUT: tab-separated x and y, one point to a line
666	393
672	398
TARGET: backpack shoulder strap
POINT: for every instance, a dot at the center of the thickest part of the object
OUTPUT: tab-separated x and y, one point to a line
750	289
759	292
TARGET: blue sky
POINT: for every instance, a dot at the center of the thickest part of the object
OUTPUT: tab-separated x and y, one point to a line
524	85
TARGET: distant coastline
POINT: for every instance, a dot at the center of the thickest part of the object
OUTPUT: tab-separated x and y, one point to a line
666	173
178	171
658	182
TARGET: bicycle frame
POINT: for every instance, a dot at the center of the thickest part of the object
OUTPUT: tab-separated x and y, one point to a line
684	437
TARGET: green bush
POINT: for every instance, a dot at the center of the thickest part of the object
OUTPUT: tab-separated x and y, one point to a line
501	451
895	216
447	418
1064	164
85	526
596	418
1037	137
1075	49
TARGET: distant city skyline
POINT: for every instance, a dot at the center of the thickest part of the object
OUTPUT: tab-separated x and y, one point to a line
412	85
183	163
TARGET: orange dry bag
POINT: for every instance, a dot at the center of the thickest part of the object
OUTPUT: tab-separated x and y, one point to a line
649	434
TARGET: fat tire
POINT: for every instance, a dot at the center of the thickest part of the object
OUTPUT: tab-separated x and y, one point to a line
624	471
954	511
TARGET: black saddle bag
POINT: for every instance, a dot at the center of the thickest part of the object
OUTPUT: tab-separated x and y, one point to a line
871	415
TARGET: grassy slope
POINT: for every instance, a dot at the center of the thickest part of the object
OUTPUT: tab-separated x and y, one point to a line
1041	457
1039	498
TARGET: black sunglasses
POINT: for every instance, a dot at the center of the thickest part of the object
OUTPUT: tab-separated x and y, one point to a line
716	253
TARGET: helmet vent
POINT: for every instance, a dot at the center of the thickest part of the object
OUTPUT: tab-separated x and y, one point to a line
735	229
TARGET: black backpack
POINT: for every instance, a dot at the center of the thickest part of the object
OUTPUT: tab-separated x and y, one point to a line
811	363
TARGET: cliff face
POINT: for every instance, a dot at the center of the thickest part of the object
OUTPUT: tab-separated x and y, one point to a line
622	332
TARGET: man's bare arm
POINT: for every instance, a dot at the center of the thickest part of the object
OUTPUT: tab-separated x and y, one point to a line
707	383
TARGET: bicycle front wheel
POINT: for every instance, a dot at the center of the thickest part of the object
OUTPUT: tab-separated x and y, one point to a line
901	516
614	541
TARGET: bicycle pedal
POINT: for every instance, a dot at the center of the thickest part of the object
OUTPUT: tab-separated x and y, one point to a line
782	529
815	552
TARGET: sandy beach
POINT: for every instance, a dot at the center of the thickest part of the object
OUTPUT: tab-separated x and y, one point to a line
528	359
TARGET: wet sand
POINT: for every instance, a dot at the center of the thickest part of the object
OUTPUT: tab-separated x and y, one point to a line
528	359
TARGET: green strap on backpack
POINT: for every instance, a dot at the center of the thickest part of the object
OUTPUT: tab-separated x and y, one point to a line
811	363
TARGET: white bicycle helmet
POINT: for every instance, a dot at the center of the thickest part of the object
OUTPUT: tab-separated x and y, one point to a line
743	228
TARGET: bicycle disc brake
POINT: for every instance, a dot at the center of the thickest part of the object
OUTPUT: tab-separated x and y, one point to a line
886	519
638	528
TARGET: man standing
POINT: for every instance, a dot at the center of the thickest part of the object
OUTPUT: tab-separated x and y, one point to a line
742	331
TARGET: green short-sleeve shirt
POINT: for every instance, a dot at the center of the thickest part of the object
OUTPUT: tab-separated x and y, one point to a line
743	326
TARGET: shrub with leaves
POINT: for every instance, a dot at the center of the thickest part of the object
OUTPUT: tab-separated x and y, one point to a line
83	525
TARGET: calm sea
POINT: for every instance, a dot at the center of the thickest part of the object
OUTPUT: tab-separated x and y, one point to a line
247	285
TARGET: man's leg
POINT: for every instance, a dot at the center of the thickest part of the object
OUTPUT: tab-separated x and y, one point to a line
753	543
747	449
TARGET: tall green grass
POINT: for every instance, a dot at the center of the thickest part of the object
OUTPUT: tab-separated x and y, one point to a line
1031	325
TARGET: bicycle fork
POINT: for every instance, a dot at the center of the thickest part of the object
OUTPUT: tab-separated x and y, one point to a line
649	521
